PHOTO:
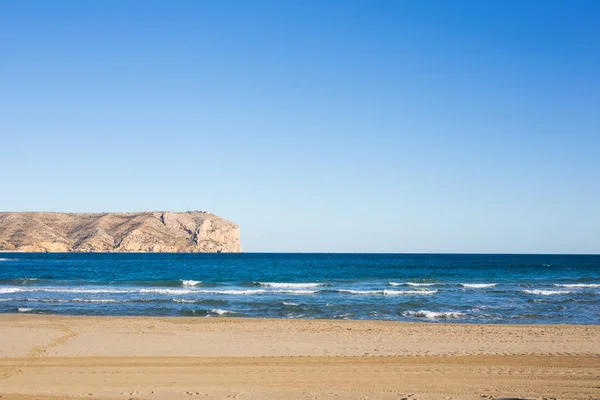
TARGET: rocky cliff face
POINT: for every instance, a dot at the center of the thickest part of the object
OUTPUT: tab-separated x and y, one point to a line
164	232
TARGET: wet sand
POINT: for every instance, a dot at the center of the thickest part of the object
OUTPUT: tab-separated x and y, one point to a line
51	357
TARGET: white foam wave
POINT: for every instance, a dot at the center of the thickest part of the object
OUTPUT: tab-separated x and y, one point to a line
190	282
400	292
67	301
9	290
477	285
432	314
167	291
285	303
219	311
157	291
230	291
546	292
255	291
296	291
60	290
290	285
25	309
98	301
48	300
84	290
291	315
578	285
387	292
411	284
81	290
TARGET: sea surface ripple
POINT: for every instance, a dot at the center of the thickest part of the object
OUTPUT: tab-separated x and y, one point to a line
457	288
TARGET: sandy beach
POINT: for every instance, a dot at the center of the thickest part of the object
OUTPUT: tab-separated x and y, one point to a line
52	357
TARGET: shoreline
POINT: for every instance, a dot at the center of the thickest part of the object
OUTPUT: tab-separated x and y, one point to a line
51	356
265	319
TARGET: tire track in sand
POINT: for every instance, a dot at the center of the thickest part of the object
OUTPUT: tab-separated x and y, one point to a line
38	352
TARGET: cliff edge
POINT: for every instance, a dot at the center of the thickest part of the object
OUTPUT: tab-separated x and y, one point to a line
159	231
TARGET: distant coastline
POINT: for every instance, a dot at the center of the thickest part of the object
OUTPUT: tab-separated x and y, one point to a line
143	232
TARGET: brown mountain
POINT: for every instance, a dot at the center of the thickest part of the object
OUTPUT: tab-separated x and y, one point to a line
157	231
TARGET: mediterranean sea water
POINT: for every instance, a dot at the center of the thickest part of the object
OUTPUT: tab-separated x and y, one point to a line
403	287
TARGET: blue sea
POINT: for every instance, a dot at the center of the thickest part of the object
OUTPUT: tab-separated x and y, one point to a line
465	288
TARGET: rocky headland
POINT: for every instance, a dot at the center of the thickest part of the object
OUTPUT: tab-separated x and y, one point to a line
158	231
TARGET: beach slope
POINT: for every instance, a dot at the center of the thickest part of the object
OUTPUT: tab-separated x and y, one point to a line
52	357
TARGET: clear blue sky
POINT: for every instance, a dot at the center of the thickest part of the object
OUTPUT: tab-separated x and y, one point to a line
335	126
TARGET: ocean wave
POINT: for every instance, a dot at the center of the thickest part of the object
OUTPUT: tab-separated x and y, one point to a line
292	315
257	291
98	301
59	290
285	303
228	291
151	300
19	281
219	311
78	300
24	309
167	291
213	302
190	282
477	285
157	291
9	290
411	284
433	315
47	300
578	285
343	316
386	292
289	285
546	292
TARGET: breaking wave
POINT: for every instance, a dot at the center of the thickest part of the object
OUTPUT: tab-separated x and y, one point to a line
190	282
20	281
9	290
386	292
184	301
477	285
59	290
411	284
546	292
433	315
157	291
167	291
98	301
289	285
578	285
219	311
256	291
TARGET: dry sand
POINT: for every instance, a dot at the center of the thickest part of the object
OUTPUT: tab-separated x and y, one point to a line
50	357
